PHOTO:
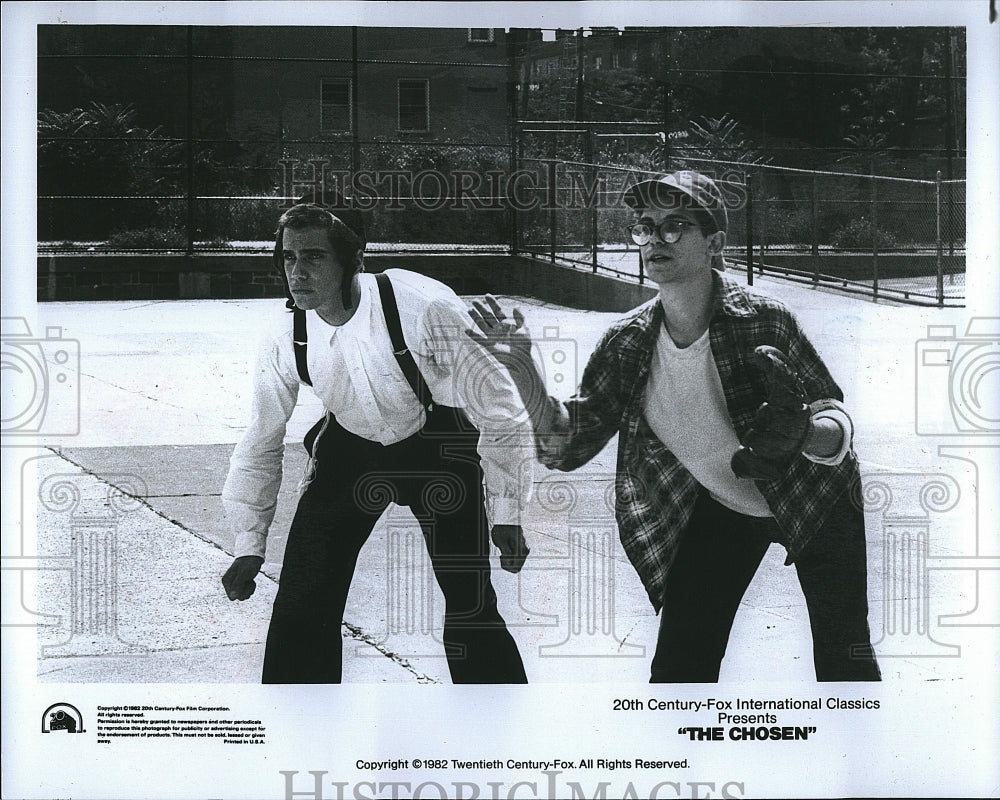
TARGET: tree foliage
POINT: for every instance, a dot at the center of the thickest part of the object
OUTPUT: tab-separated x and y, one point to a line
720	139
102	146
807	96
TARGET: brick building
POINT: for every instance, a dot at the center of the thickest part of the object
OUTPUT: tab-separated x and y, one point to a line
247	99
320	88
296	84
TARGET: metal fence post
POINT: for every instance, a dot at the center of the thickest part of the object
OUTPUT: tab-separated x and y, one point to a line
951	224
593	176
666	154
355	97
874	237
749	231
762	250
189	133
815	228
551	194
512	140
513	160
940	256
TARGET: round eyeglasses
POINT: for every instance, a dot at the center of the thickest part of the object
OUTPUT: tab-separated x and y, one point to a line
670	230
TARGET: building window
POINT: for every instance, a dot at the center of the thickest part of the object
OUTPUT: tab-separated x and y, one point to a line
335	105
414	105
597	62
481	35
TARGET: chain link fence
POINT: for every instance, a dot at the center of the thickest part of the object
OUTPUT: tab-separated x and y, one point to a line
424	196
551	190
251	120
901	238
880	235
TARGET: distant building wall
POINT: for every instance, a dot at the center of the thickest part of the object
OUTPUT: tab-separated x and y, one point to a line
466	82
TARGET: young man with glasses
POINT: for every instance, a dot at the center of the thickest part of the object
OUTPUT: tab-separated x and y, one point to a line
388	356
732	436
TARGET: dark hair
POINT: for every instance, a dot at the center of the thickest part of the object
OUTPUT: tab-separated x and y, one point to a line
344	241
342	207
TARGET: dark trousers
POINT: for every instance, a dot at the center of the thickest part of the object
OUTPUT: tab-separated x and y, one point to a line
718	557
437	474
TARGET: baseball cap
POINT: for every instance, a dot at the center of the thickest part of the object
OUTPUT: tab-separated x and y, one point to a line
694	190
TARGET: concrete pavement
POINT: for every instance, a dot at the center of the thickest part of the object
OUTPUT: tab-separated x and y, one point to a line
164	394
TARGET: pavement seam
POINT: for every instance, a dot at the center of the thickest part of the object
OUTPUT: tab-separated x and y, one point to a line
617	556
135	392
354	631
186	494
621	644
359	634
141	500
150	651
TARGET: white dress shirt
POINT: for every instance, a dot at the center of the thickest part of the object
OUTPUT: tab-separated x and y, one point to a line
357	377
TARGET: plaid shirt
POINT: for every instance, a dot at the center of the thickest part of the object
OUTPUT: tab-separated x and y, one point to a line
655	494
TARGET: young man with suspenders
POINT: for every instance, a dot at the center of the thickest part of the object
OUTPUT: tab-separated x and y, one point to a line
389	358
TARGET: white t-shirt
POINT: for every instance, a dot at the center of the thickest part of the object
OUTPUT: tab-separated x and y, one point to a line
686	409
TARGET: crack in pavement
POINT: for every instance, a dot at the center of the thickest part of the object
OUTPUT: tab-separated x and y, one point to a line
135	392
140	499
359	634
625	637
355	631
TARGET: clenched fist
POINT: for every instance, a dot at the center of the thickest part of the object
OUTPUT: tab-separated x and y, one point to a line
239	578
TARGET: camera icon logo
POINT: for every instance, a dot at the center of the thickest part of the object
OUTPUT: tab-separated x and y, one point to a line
554	356
558	359
958	380
41	381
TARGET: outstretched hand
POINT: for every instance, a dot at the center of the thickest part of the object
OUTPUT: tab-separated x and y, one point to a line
506	339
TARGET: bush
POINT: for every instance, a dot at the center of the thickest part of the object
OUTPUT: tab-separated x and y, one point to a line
444	226
148	239
238	219
784	226
860	234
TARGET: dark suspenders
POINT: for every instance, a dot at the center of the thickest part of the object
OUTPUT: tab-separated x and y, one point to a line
403	356
299	339
399	349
